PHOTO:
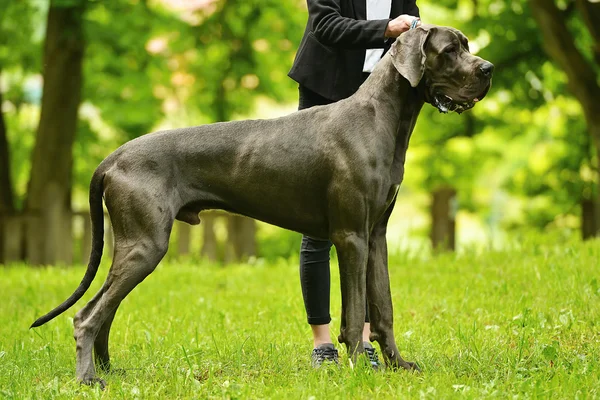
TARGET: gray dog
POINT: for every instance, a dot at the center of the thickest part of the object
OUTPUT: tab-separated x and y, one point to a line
329	172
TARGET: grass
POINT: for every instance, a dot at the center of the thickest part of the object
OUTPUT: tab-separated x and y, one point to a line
521	323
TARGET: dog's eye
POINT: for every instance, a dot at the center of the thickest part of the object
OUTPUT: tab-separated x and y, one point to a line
450	49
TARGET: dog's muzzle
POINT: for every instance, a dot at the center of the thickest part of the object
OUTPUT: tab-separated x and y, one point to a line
445	103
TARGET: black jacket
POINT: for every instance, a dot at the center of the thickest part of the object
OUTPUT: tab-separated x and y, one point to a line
331	55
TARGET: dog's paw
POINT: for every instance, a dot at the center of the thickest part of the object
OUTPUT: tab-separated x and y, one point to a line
107	368
93	381
398	364
410	366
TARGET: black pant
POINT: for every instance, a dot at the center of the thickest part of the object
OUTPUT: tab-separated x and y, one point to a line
314	253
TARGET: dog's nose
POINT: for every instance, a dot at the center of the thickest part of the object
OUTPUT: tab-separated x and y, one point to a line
487	68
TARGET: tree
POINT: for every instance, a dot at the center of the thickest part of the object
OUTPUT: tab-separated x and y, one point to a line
449	157
17	52
493	148
580	59
7	206
49	192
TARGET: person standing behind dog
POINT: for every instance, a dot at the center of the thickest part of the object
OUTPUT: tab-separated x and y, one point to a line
343	41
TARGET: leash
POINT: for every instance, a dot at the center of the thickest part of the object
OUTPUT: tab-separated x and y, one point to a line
414	23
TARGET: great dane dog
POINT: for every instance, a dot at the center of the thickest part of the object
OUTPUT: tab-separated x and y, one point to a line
329	172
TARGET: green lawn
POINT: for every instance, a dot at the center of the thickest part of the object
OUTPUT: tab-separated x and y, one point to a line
522	323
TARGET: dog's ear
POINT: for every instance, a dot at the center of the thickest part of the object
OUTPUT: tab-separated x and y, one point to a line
408	54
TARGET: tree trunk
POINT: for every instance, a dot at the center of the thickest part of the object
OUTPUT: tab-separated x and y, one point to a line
49	236
7	205
12	245
597	199
184	231
559	44
590	13
443	219
241	238
209	239
589	219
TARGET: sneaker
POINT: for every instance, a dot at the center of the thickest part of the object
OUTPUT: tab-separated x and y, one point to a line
372	354
324	353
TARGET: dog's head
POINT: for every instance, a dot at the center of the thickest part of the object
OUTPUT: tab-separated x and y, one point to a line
439	58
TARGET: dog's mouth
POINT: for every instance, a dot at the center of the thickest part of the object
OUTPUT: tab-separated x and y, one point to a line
445	103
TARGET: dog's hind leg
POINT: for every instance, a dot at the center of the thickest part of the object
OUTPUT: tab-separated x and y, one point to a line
380	299
129	268
101	350
101	344
142	225
101	353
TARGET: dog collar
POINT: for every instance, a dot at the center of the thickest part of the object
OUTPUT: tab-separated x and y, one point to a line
414	23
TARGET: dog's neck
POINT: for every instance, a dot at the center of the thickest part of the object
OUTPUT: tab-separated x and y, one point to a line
389	87
403	102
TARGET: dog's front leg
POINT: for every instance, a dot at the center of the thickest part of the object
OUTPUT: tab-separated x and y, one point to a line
380	299
352	249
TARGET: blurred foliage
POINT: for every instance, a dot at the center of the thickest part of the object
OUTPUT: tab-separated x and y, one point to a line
119	71
16	32
149	64
276	244
243	49
527	139
20	55
522	156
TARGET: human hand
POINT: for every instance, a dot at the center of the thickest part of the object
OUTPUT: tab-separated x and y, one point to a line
400	24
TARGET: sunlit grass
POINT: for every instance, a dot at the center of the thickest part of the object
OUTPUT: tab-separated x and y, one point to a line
519	323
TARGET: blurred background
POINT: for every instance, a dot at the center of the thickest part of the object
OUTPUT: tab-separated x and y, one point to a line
79	78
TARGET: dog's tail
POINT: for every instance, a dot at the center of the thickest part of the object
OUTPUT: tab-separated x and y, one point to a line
97	216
